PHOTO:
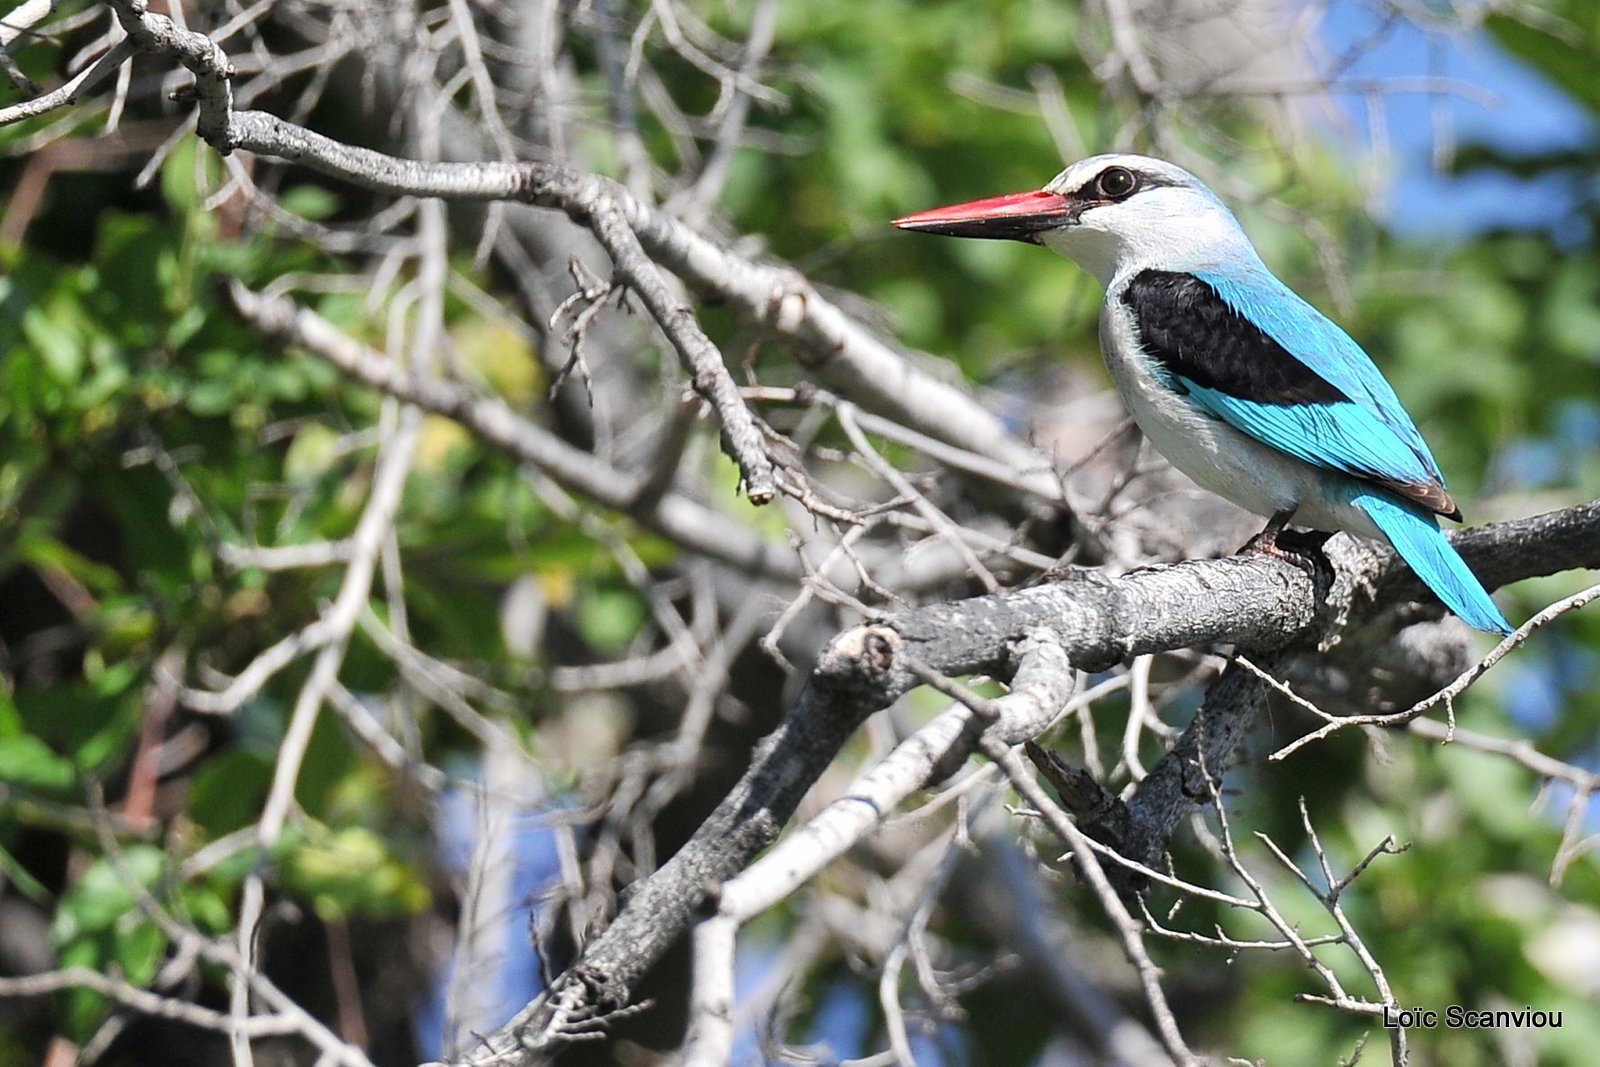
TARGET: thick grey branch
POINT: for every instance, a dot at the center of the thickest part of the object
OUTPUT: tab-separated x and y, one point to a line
1502	553
1263	603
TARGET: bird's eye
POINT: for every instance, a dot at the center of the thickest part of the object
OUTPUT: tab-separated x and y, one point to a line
1115	183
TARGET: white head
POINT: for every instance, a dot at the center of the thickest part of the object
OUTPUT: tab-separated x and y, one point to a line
1114	215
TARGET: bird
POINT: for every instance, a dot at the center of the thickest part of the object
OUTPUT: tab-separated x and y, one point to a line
1243	385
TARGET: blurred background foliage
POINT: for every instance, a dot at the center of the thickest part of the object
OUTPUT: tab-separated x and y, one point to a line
142	429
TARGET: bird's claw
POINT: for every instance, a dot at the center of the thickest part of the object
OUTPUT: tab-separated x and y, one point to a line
1300	547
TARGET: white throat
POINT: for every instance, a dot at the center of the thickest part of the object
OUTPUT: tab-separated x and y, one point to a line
1162	229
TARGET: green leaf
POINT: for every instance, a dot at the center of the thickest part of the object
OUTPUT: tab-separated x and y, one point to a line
59	350
92	723
207	908
313	202
312	453
228	790
104	894
211	398
10	719
47	553
610	618
27	761
19	876
351	872
99	924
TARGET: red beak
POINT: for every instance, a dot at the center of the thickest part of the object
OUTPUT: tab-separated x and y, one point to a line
1016	217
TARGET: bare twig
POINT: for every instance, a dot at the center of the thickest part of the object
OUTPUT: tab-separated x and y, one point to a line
1446	695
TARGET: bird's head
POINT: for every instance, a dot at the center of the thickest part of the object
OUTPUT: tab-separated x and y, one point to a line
1112	214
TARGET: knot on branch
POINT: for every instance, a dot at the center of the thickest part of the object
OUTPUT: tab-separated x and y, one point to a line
785	310
862	662
274	319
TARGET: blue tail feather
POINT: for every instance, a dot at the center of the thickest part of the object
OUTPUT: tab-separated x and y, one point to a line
1416	536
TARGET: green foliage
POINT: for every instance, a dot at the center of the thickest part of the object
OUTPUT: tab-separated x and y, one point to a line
1560	42
884	131
101	923
135	437
351	871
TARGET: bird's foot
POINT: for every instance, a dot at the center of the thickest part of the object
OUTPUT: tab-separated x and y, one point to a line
1267	540
1303	548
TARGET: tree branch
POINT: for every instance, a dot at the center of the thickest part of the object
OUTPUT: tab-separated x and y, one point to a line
691	524
829	342
1263	603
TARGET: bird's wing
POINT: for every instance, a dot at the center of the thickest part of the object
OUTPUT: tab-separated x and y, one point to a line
1249	351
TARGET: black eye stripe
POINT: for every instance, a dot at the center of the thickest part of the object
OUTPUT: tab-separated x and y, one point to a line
1092	190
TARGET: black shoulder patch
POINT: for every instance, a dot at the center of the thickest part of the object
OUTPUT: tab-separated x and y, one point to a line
1195	334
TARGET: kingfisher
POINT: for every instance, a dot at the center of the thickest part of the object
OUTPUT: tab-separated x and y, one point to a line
1240	383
